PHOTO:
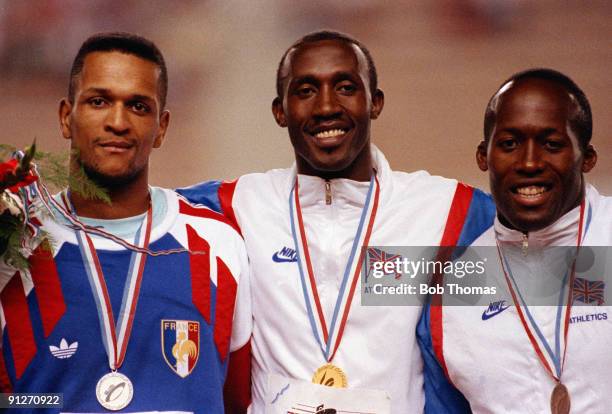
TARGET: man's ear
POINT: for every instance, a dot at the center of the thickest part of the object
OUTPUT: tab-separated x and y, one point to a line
164	121
65	109
378	102
481	156
279	112
589	159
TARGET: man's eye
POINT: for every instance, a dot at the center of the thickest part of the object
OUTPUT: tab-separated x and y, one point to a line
140	107
553	145
347	87
97	102
507	143
304	91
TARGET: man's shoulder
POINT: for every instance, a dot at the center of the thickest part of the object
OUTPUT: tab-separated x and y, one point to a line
422	179
215	193
198	227
423	184
602	201
277	177
196	213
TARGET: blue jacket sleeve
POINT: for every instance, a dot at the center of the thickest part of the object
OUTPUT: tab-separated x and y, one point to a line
441	396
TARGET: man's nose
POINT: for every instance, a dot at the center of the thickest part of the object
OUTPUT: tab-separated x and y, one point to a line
530	157
117	120
327	104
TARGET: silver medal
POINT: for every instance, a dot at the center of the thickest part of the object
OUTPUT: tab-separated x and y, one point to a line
114	391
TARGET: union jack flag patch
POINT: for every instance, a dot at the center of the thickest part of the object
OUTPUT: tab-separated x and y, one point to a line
375	255
587	292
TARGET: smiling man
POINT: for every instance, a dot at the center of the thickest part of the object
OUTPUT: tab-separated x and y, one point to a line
326	99
517	359
304	228
130	305
536	148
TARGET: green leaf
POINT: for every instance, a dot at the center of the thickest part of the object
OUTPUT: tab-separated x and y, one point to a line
80	183
53	169
10	241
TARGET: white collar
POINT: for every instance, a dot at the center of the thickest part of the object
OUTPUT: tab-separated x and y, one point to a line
312	188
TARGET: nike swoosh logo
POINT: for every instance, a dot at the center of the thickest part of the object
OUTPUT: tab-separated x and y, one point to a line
489	314
282	259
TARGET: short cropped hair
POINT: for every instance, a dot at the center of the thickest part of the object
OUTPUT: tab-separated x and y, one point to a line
328	35
127	43
581	121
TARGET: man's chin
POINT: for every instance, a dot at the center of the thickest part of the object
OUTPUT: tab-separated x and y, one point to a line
109	180
330	165
333	160
528	222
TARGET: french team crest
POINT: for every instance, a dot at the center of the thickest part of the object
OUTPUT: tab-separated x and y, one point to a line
180	341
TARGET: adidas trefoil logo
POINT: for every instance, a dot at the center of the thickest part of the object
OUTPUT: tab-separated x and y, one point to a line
64	351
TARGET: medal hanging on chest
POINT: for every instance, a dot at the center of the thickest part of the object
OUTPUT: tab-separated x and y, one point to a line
329	337
114	391
552	358
560	400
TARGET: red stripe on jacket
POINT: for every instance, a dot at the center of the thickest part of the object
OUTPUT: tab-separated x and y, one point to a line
224	308
200	272
237	388
18	324
47	287
5	382
452	231
226	196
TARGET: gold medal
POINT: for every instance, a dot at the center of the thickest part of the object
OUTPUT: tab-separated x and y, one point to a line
330	376
560	400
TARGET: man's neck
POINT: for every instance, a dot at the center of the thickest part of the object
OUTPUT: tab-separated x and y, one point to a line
359	170
129	200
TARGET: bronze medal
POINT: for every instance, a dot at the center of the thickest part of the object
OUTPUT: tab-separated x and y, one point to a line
560	400
330	376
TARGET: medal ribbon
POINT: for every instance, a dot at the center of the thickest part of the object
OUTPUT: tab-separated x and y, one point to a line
67	212
38	191
329	340
115	337
549	358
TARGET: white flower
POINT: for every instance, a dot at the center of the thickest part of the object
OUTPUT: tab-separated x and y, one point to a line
11	202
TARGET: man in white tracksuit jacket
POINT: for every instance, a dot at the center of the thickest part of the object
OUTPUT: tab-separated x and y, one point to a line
506	358
304	227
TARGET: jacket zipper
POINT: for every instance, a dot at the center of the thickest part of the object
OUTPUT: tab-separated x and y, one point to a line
328	193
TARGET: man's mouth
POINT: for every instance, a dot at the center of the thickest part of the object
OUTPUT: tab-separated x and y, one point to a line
533	195
329	137
531	191
331	133
115	146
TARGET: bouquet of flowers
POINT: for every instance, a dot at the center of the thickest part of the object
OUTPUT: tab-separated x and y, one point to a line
15	175
21	185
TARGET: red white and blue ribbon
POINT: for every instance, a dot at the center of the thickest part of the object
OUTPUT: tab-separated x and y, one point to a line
552	356
116	336
330	336
78	225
